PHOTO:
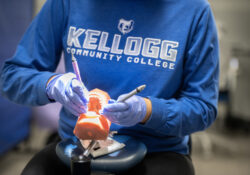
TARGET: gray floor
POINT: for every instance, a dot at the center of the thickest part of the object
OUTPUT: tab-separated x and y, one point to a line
221	154
214	153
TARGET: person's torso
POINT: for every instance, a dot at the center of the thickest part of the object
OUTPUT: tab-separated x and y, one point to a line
121	44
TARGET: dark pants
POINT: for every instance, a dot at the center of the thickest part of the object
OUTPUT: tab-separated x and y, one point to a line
46	162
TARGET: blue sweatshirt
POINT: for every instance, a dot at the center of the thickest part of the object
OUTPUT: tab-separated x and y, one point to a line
169	45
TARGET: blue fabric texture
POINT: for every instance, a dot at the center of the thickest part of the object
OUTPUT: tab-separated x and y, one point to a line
169	45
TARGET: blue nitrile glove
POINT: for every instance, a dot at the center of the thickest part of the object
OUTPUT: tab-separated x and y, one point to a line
70	92
127	113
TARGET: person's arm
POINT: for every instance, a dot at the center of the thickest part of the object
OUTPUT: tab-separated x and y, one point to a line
195	108
25	75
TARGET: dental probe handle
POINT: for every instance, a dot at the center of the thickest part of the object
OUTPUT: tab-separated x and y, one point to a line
133	92
76	68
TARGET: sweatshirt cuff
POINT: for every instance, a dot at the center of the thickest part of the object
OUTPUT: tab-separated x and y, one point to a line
156	118
41	89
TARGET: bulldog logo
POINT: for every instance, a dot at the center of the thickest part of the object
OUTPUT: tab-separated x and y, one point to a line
125	26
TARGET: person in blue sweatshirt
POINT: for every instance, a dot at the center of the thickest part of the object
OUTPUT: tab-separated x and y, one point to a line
169	45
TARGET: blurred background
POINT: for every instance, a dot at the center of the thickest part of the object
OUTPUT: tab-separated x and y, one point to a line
223	149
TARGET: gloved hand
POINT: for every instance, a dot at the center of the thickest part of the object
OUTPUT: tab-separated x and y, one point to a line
68	91
127	113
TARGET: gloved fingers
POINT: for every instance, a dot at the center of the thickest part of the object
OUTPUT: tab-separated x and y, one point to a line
52	81
70	75
58	95
79	88
62	98
120	118
77	107
121	97
111	101
131	100
74	107
116	107
114	117
72	111
127	118
75	99
137	103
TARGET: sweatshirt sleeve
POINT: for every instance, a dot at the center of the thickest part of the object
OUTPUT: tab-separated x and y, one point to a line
24	76
195	107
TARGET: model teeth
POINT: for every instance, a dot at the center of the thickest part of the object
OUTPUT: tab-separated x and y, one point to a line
97	95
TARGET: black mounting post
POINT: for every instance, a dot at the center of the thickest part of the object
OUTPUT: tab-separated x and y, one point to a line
80	165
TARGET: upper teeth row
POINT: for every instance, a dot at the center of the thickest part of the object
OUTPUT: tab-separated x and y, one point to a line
94	94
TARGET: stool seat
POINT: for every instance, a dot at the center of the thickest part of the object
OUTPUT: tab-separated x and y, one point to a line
115	162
